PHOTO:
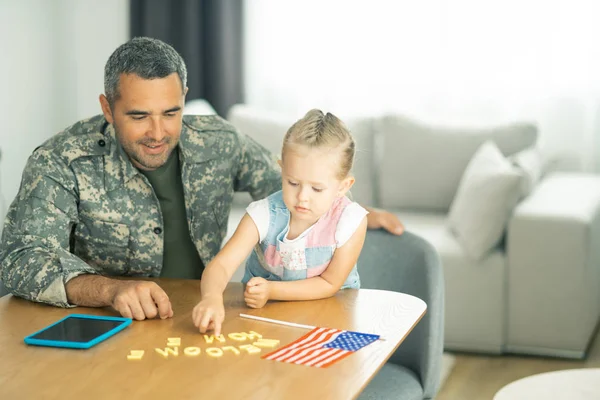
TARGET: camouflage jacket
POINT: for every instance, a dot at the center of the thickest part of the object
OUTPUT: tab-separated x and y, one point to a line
83	208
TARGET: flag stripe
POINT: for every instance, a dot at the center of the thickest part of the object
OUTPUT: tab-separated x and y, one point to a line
292	345
323	353
306	348
308	355
285	353
309	336
336	358
325	356
313	354
316	338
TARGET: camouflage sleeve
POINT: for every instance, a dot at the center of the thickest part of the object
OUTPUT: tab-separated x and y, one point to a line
258	172
35	261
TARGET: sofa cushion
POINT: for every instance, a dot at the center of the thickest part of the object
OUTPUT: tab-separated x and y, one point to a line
269	128
475	290
421	165
530	163
198	107
487	195
266	127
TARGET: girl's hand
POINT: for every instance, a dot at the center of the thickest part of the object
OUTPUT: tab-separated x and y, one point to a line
257	292
209	314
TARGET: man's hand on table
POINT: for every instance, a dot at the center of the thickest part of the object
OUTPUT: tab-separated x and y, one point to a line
140	300
132	299
378	219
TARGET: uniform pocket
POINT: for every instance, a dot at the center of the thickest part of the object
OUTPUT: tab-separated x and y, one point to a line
103	245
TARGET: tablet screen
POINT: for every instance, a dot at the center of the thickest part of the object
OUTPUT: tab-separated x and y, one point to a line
76	329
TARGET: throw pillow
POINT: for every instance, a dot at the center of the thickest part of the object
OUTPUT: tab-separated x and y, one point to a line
530	163
487	195
420	165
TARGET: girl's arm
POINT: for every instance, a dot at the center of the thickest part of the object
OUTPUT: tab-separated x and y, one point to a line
209	313
331	280
218	272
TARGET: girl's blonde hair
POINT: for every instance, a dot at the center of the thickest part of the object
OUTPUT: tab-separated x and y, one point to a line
318	130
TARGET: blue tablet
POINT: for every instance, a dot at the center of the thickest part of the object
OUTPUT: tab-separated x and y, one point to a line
78	331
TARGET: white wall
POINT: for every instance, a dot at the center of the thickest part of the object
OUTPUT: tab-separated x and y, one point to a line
445	62
52	56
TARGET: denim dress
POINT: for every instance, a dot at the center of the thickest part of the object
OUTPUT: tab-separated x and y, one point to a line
276	259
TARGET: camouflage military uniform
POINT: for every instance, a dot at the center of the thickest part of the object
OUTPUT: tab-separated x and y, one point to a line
83	208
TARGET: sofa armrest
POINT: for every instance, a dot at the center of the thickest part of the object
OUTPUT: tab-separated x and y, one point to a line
553	257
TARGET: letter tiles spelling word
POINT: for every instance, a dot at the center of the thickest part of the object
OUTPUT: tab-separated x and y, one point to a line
174	343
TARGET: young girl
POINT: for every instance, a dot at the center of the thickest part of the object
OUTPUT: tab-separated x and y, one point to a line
307	237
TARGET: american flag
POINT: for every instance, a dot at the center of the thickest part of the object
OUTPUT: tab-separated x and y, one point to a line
322	347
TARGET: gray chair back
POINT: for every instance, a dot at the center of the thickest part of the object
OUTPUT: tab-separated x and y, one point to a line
409	264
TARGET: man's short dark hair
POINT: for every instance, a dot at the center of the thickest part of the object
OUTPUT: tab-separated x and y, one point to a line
146	57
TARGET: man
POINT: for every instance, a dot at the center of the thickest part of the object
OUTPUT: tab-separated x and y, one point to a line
138	191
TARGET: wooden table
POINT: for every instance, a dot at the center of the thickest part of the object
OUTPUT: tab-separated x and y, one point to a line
103	372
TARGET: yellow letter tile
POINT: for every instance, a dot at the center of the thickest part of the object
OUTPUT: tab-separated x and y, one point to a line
135	355
266	343
168	350
232	349
191	351
250	348
214	352
209	339
253	335
239	337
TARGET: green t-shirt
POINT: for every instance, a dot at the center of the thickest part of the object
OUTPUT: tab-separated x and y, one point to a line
180	257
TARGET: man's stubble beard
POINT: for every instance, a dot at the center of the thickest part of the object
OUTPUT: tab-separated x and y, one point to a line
146	161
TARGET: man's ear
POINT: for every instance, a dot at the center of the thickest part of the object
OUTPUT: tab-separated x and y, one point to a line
106	109
280	163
